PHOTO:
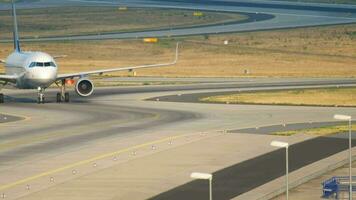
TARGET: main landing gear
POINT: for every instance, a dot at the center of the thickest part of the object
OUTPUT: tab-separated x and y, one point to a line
41	98
62	96
1	94
1	98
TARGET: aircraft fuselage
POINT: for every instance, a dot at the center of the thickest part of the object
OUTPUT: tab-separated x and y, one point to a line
35	69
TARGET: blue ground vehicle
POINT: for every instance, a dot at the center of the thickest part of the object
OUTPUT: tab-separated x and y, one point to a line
333	187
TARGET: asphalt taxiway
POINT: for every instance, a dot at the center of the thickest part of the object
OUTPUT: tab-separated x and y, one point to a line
263	15
245	176
168	140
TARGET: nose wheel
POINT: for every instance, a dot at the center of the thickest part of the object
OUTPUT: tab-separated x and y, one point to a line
63	96
41	97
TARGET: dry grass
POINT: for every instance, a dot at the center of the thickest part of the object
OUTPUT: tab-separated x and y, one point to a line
322	131
324	97
97	20
304	52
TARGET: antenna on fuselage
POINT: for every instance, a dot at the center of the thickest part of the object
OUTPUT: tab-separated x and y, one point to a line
16	34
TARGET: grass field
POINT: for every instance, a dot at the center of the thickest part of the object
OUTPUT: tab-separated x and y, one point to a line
327	130
323	97
98	20
304	52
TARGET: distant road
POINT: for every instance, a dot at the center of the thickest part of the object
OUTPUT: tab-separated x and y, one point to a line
285	15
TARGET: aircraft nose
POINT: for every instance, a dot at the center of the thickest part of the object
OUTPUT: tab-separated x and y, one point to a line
47	75
42	76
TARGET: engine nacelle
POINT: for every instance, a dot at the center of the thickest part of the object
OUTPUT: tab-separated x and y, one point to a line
84	87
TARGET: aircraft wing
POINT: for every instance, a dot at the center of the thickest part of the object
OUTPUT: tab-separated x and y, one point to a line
8	78
83	74
59	56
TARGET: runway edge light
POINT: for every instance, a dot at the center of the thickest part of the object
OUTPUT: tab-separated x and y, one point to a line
279	144
198	175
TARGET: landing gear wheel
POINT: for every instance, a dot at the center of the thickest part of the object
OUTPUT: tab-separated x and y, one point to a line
62	96
41	101
1	98
41	98
66	97
59	97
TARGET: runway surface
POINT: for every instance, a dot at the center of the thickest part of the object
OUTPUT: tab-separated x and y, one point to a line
237	84
242	177
285	15
119	118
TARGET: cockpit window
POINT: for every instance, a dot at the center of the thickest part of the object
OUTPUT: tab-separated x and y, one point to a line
32	64
42	64
53	65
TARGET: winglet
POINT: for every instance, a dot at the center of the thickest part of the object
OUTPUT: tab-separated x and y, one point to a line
15	33
60	56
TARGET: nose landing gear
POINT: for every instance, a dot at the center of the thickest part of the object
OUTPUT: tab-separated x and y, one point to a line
41	97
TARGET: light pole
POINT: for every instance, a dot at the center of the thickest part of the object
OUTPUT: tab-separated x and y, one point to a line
284	145
204	176
348	118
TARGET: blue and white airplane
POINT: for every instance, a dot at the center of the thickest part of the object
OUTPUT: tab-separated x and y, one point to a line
38	70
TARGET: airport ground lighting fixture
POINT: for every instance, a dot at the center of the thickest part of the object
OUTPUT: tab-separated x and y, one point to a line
348	118
284	145
204	176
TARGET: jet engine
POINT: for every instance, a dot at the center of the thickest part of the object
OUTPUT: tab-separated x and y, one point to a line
84	87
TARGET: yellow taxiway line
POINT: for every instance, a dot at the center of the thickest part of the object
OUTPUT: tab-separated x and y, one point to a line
87	161
39	138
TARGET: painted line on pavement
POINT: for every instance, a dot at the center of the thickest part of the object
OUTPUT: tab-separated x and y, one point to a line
87	161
